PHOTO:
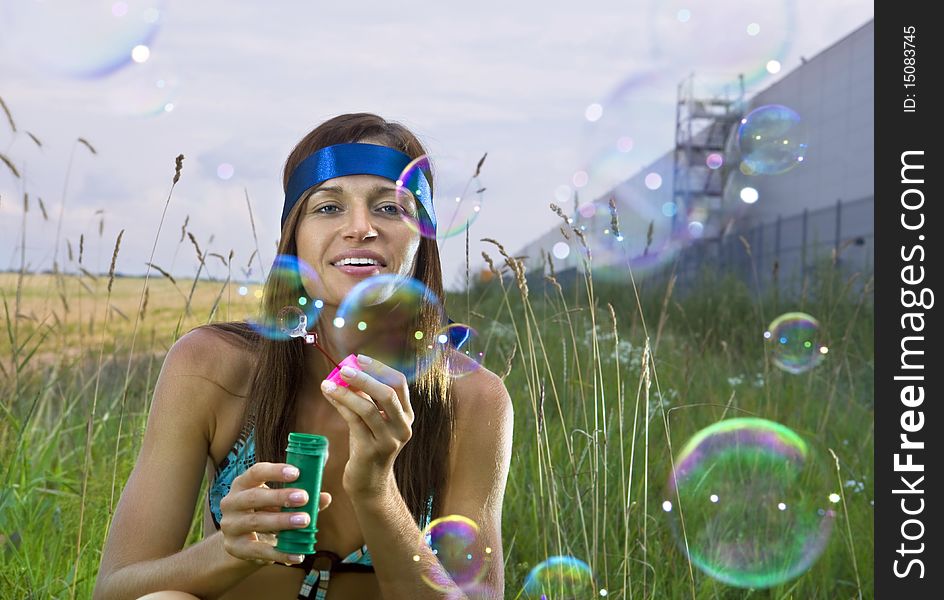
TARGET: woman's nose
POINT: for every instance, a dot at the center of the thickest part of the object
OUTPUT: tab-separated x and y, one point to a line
358	223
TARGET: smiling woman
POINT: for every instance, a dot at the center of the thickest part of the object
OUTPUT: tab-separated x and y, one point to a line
399	428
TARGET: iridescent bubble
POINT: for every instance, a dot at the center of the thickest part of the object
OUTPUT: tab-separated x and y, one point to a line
714	161
145	89
653	181
225	171
457	201
749	195
594	112
772	140
280	315
454	540
795	342
721	38
469	357
88	39
561	577
580	179
755	502
561	250
389	307
292	321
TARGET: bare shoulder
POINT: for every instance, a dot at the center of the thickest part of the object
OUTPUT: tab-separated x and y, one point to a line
477	393
213	356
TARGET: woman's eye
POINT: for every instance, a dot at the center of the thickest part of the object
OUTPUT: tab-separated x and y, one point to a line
321	208
395	211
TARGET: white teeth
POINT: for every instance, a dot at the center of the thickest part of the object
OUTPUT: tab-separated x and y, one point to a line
357	261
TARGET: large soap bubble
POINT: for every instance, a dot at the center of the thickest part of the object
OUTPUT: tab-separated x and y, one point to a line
87	39
749	502
386	307
772	140
561	577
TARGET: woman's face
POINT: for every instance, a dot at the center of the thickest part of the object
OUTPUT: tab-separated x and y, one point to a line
355	212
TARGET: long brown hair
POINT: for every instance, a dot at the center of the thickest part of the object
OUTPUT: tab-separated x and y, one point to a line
421	467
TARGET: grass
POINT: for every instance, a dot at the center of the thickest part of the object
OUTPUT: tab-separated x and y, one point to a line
600	410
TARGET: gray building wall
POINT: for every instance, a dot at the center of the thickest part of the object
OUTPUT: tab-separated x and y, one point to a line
833	93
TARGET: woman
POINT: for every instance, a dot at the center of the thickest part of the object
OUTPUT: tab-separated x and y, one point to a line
402	451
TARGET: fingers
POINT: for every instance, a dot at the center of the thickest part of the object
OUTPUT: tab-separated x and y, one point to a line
261	472
385	396
387	375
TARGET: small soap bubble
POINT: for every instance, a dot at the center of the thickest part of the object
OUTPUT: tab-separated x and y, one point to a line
457	202
794	342
772	140
454	540
714	161
280	316
469	357
561	577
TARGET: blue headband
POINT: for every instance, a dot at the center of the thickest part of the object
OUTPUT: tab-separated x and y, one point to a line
357	159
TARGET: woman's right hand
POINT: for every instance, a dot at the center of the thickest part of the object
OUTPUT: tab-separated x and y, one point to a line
252	513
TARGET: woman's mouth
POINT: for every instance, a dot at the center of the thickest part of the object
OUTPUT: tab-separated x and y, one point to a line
359	270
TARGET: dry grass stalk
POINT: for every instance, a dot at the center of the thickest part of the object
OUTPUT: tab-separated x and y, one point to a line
114	257
178	167
747	245
42	207
85	272
81	247
9	165
145	303
508	362
649	233
478	167
564	233
86	143
69	247
183	228
491	265
25	203
120	314
35	139
614	217
162	272
6	111
196	246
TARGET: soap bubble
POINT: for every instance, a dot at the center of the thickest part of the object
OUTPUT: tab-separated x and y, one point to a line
457	198
733	39
292	321
146	89
285	310
772	140
795	342
469	357
387	306
560	578
454	540
754	500
88	39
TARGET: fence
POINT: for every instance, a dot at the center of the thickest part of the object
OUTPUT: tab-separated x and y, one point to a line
786	249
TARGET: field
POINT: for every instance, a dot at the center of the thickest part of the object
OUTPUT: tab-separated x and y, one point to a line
603	400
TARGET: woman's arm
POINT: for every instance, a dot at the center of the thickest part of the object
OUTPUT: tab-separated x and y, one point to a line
479	461
143	551
204	569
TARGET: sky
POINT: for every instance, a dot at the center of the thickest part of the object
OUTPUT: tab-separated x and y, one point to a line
242	82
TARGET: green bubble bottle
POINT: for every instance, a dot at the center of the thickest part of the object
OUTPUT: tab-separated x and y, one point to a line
308	453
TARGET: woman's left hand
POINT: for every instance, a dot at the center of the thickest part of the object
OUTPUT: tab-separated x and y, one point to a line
376	407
